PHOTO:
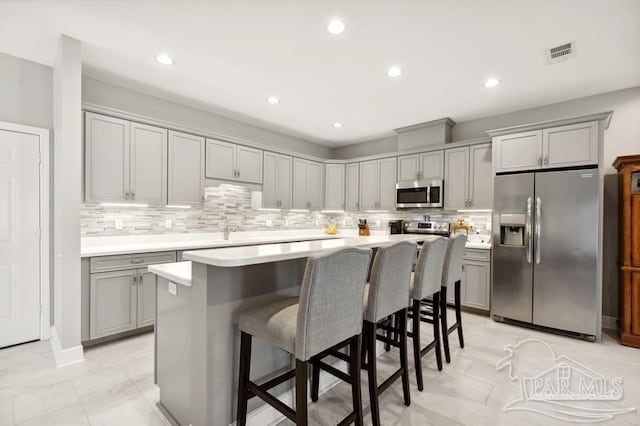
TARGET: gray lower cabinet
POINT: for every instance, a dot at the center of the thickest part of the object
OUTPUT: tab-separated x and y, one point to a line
114	305
475	291
146	287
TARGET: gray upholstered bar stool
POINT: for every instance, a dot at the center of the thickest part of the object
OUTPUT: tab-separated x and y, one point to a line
452	277
386	294
326	316
425	296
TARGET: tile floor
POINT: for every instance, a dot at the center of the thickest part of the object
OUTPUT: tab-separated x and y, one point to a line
114	386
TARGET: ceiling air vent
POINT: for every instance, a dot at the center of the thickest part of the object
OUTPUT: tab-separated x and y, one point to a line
561	53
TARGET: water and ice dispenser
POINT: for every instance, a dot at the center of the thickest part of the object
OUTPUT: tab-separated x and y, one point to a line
512	229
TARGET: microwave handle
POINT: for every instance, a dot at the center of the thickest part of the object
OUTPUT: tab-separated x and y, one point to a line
429	194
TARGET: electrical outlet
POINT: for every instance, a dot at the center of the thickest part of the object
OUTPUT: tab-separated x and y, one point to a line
119	224
344	222
269	222
377	223
168	224
173	288
317	222
286	222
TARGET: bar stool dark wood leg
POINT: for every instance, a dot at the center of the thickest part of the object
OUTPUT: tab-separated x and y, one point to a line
387	345
243	385
445	327
315	380
417	357
459	313
436	330
302	369
354	372
370	331
402	323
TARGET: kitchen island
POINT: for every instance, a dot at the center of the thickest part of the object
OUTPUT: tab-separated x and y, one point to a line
197	340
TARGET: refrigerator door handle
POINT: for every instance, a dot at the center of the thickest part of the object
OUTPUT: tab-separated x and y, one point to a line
538	229
529	232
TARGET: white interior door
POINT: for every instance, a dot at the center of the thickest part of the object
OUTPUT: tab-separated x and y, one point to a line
19	238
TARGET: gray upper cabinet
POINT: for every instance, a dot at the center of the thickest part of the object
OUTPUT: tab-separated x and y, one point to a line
468	177
456	180
520	151
277	181
113	303
334	187
124	162
572	145
106	159
352	187
308	184
480	177
233	162
148	165
378	184
427	165
186	169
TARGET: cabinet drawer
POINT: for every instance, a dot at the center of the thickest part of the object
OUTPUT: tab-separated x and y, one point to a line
130	261
477	254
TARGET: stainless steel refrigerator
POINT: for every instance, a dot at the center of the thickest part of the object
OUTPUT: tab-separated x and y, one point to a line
545	233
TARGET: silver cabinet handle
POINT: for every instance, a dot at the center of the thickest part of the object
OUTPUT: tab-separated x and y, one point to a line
546	160
136	261
538	229
126	195
540	161
135	279
133	195
528	231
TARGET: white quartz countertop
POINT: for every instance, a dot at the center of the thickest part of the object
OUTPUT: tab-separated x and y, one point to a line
130	244
252	255
178	272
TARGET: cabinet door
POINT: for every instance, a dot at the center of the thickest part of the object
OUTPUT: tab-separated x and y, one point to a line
432	165
369	185
270	181
572	145
387	196
456	180
408	167
146	285
334	187
106	159
113	302
285	170
220	160
315	185
476	285
352	187
480	177
148	181
186	169
299	185
520	151
249	164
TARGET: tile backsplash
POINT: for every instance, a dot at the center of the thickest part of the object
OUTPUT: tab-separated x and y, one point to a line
230	204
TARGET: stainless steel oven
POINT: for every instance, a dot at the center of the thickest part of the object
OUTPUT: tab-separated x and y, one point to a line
419	194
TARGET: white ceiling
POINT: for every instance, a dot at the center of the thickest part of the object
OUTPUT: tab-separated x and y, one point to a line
231	55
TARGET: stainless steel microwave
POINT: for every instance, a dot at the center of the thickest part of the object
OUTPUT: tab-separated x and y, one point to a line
419	194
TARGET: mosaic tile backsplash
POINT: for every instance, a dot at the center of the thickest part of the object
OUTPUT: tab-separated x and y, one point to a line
230	205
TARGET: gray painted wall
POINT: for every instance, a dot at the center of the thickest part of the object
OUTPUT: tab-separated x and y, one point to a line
112	96
26	92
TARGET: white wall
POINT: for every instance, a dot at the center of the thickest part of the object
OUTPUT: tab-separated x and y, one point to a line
67	178
25	92
120	98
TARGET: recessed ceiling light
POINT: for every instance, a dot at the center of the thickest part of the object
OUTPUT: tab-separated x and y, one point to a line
164	59
273	100
492	82
337	124
336	27
394	71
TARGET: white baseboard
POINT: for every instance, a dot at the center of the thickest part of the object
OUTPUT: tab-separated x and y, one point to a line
609	323
67	356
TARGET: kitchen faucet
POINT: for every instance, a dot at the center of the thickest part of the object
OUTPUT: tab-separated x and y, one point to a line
228	230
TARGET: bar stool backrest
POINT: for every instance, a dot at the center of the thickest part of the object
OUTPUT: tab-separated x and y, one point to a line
427	279
452	271
390	279
331	300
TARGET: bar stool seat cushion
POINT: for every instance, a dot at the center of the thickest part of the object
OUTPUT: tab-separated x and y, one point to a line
275	322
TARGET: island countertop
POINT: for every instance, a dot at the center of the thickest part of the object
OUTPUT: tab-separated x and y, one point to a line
253	255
